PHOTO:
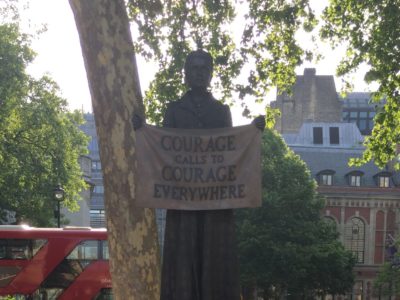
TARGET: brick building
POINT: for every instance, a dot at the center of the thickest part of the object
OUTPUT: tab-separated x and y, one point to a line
326	131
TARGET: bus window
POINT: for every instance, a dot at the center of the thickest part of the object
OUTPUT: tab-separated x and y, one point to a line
7	274
15	249
45	294
87	250
3	251
20	248
51	294
105	254
37	245
104	294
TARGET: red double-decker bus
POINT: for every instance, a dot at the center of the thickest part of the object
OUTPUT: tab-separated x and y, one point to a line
54	263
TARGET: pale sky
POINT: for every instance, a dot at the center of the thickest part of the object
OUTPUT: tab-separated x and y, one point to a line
59	55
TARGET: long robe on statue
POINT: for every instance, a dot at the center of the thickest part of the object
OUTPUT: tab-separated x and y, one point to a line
199	257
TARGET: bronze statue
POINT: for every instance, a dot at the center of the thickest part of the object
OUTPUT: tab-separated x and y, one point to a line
199	258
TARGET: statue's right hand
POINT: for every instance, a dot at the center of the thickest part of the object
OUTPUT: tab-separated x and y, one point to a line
259	122
137	122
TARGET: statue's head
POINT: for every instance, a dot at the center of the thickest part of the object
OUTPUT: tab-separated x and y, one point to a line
198	69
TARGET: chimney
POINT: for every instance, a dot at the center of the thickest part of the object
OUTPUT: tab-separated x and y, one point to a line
309	72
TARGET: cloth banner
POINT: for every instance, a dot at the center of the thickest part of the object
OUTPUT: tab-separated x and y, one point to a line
198	169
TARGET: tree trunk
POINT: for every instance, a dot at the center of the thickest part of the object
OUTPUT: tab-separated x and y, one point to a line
110	63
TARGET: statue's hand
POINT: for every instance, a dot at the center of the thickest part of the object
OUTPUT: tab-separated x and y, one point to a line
137	122
259	122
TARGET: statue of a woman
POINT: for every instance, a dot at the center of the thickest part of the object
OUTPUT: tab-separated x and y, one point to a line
199	258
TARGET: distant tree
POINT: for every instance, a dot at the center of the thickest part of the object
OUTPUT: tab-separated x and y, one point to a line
370	31
285	247
387	282
40	141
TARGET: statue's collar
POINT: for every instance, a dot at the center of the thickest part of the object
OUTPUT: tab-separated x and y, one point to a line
189	96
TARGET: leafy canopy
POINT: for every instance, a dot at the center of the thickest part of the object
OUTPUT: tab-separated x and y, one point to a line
370	31
40	141
263	50
285	245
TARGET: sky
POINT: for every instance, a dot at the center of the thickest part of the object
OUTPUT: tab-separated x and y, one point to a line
59	55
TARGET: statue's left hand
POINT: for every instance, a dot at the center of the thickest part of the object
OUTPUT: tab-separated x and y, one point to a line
259	122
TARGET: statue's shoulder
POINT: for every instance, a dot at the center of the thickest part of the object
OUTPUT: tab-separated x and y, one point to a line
219	104
172	105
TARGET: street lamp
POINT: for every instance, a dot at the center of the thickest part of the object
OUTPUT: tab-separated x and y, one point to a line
58	196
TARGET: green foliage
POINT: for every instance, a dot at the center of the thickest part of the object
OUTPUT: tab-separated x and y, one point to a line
285	245
371	32
266	50
7	298
40	142
387	282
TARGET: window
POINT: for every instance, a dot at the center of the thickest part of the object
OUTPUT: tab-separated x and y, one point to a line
363	114
46	293
384	181
326	179
98	189
334	135
20	248
3	251
88	250
96	165
355	180
105	252
105	294
354	177
317	135
355	238
362	125
97	212
97	218
8	273
353	103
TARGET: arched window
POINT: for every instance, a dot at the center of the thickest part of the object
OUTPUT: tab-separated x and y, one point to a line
355	238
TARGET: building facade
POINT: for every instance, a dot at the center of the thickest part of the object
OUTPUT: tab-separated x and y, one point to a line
82	217
363	202
96	203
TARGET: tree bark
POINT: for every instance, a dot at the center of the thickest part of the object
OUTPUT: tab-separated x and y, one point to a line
110	63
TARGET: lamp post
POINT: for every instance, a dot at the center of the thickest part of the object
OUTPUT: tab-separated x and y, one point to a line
58	196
